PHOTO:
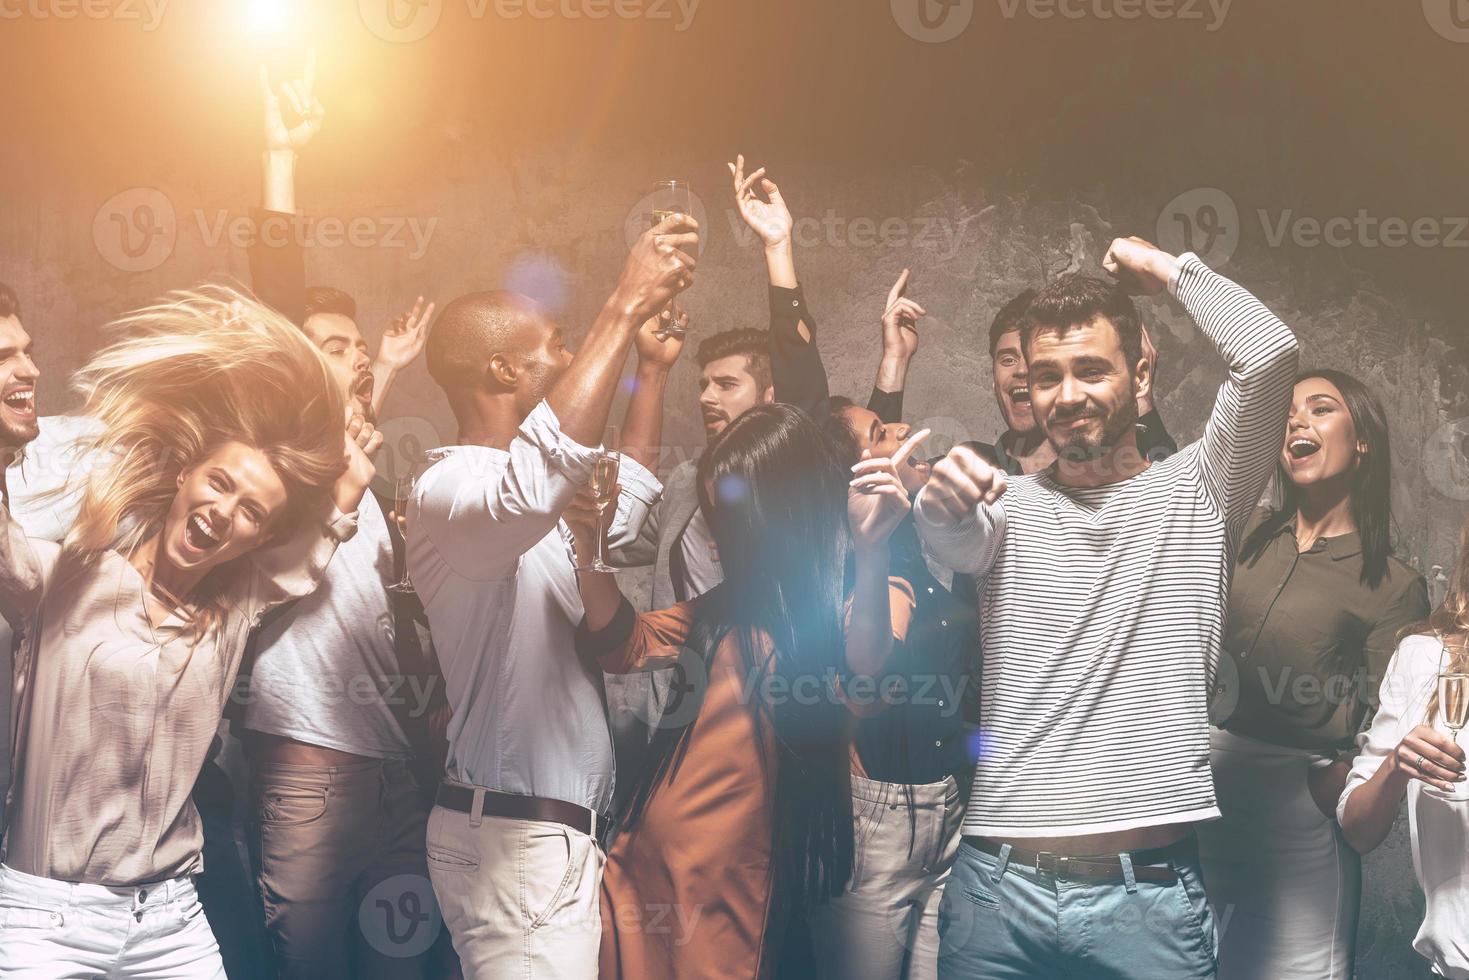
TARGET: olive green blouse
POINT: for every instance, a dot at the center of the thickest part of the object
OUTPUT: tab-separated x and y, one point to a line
1308	642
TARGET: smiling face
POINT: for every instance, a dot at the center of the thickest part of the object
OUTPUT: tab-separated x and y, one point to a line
18	376
338	338
1082	391
884	440
225	507
1012	384
1321	441
728	390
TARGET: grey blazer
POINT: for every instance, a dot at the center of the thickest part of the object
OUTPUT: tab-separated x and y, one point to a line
665	523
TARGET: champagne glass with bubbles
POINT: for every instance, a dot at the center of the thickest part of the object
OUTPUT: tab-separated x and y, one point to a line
670	197
1453	707
604	488
402	495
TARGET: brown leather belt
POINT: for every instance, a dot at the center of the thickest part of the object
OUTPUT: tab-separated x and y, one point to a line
517	807
1105	867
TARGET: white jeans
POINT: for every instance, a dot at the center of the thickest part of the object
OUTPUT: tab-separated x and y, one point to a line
1285	885
521	898
57	930
890	912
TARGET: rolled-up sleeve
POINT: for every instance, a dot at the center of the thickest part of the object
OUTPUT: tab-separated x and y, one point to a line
483	509
640	493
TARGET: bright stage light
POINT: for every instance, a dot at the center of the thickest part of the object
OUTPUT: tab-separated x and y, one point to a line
268	17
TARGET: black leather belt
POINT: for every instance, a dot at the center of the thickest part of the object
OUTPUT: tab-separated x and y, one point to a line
516	807
1107	867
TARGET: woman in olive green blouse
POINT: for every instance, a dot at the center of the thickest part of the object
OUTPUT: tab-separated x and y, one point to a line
1315	610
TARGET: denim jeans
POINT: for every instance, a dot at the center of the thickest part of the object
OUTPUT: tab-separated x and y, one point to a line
1002	921
51	929
885	926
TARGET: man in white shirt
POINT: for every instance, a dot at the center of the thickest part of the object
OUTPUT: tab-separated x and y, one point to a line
1103	580
18	427
512	841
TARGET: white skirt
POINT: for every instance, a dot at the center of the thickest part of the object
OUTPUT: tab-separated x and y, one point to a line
1285	886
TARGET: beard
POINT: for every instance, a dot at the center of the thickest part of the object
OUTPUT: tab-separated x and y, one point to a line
1082	447
15	435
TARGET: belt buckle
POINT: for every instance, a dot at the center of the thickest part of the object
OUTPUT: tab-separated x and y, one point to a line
1056	864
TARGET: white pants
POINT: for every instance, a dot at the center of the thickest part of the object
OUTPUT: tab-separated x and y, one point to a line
1285	886
521	898
57	930
890	912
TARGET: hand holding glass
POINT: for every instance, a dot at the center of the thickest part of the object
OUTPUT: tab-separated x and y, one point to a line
604	489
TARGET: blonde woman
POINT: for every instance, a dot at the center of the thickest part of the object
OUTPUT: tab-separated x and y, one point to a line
1410	751
223	491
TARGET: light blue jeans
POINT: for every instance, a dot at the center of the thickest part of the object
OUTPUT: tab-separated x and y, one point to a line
1000	920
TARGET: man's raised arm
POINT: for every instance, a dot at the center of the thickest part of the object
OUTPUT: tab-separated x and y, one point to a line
1243	436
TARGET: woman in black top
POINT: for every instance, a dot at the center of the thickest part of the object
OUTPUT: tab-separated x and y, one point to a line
1315	610
910	756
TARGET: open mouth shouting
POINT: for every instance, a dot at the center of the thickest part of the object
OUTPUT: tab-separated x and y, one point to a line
1300	448
200	538
362	388
20	402
1020	396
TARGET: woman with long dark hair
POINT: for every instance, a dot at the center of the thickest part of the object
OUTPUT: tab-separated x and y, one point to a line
1412	751
742	820
227	476
1316	607
911	771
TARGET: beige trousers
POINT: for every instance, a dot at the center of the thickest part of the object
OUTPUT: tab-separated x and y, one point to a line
521	898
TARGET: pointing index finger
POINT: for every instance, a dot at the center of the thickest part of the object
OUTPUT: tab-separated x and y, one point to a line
906	449
899	288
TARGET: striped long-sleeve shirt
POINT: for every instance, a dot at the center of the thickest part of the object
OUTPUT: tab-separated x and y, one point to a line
1103	607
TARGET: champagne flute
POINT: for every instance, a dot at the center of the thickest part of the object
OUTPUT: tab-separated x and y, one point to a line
402	494
604	488
670	197
1453	706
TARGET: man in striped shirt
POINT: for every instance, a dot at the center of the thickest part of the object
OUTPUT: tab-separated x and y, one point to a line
1103	584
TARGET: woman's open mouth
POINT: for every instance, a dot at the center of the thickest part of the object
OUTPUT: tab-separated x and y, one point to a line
1299	448
199	537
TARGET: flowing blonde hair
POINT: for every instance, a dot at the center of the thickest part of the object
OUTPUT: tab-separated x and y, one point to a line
197	370
1450	621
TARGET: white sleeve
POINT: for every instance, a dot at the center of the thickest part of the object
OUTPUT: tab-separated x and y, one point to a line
1402	706
481	520
970	546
